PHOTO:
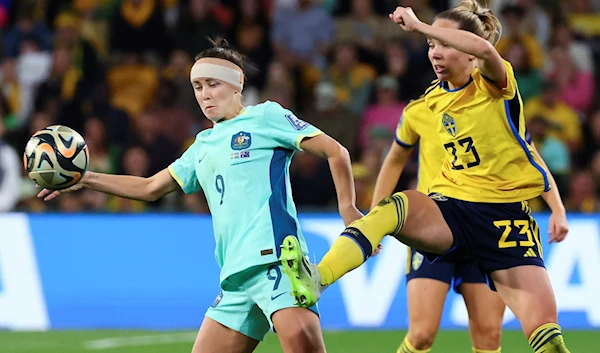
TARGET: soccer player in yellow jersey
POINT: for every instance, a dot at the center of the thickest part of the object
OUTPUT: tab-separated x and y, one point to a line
478	202
428	283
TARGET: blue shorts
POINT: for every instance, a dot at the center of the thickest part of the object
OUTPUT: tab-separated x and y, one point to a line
453	271
249	298
497	236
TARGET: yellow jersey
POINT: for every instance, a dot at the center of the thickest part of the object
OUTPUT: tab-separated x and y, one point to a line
482	129
417	125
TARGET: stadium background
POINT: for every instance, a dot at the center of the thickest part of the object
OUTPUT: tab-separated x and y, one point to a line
91	270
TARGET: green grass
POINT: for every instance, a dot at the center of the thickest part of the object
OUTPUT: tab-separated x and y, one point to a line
181	341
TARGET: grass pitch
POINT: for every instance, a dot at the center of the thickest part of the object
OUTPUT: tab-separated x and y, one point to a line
181	341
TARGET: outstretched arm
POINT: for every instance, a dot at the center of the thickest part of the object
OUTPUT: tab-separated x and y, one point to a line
131	187
489	61
558	226
338	157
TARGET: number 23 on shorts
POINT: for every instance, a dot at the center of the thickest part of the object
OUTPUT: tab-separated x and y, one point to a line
524	227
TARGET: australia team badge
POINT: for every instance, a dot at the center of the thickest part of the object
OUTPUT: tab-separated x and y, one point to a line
241	141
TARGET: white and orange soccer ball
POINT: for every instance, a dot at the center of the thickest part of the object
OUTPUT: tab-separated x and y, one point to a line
56	157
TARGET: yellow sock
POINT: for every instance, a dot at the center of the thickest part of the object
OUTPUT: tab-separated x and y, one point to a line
548	339
406	347
359	239
475	350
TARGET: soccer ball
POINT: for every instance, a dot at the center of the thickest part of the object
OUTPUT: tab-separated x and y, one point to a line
56	157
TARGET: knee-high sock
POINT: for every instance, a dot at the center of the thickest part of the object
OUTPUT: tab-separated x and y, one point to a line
358	241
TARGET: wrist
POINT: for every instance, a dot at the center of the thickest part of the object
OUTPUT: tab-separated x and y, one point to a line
421	27
346	206
86	178
560	209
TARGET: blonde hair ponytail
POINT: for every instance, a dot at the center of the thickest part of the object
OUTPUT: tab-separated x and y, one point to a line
473	17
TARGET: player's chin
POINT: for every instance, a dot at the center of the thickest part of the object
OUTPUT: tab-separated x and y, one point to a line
442	76
212	114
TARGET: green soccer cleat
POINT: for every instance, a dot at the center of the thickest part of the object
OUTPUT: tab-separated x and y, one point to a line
303	275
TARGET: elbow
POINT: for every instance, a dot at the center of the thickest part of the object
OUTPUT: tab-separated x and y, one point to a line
486	50
341	153
153	191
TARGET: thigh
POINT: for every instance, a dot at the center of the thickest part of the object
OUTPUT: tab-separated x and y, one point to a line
527	291
214	337
299	330
236	310
486	310
425	228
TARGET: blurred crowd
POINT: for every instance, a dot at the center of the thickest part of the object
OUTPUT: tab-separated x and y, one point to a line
117	71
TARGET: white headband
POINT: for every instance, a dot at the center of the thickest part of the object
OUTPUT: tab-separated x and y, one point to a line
218	72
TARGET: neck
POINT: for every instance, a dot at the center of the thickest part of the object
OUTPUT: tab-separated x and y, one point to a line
230	116
457	83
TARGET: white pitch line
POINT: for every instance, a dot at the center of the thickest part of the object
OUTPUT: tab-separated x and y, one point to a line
144	340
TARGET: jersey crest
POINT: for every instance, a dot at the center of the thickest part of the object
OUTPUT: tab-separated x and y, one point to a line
449	124
417	261
437	196
241	141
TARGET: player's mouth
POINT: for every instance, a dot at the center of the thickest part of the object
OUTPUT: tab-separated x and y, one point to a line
439	69
209	107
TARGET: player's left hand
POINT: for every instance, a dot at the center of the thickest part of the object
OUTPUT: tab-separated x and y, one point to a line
558	227
350	214
406	18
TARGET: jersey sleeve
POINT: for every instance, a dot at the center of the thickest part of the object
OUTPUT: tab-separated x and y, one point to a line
287	129
510	88
406	136
183	169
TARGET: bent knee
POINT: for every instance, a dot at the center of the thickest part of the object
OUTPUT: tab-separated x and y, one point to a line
422	337
301	339
486	336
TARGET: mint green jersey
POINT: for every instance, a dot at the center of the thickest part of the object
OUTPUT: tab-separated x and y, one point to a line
242	164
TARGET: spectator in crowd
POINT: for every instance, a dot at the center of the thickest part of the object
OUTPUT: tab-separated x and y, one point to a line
528	78
582	193
553	151
580	52
513	31
367	30
385	112
563	121
118	72
329	115
352	79
591	134
575	87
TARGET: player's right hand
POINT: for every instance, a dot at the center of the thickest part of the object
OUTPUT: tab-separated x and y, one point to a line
48	195
558	227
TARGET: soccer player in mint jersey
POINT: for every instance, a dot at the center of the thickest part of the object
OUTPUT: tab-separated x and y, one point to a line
241	164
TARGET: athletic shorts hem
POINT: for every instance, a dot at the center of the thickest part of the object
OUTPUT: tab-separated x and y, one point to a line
488	274
255	337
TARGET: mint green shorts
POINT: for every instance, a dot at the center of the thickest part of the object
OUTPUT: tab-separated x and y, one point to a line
249	299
